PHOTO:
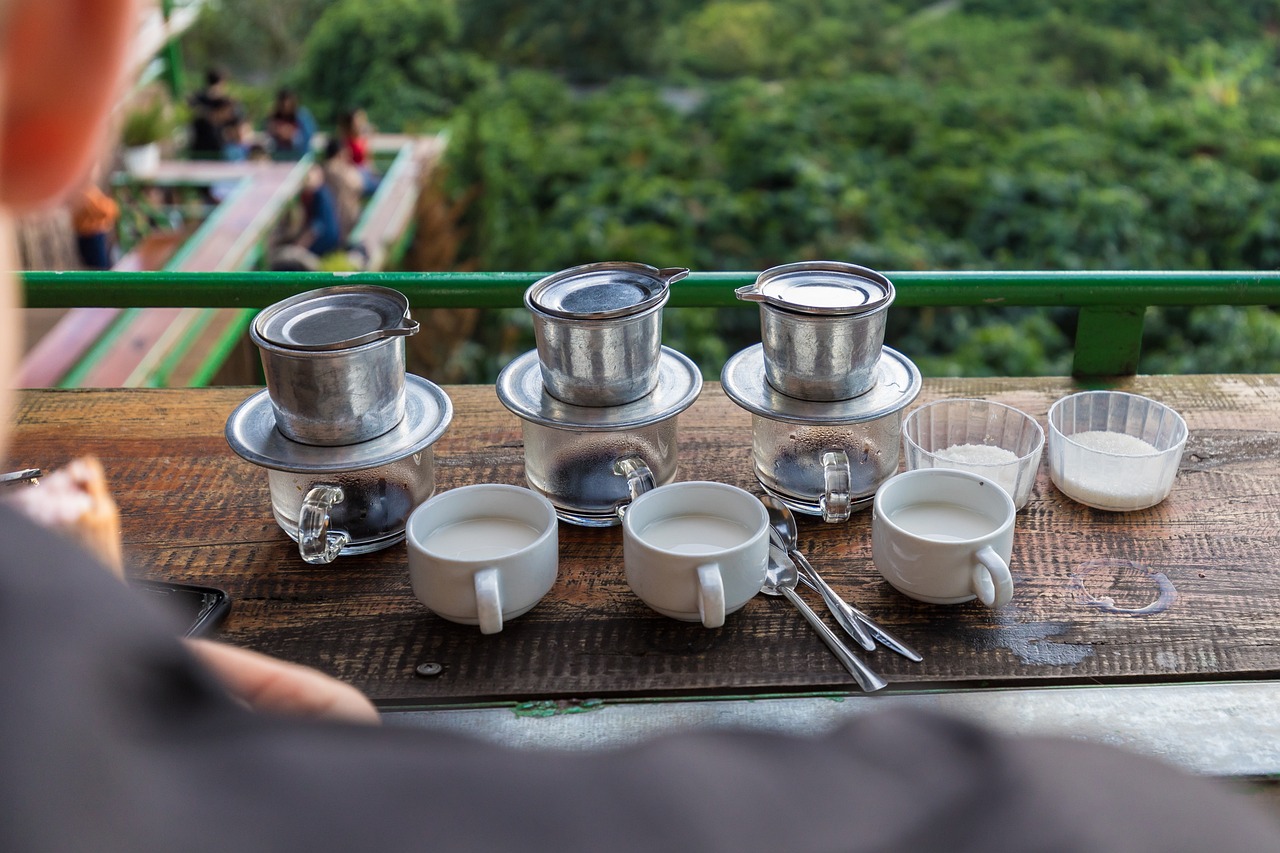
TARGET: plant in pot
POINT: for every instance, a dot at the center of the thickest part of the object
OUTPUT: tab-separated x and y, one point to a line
145	125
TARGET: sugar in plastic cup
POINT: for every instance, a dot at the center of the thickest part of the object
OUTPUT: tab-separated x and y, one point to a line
992	440
1114	451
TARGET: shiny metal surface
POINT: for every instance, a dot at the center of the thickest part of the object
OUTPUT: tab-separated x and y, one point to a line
897	385
824	288
1221	729
821	358
781	577
598	330
333	318
602	290
251	431
785	535
334	362
520	389
337	397
821	328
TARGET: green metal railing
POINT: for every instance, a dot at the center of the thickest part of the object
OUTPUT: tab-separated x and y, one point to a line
1108	338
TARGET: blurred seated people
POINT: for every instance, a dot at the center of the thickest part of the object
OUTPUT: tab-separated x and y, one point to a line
312	231
239	139
213	111
353	131
94	215
290	126
345	184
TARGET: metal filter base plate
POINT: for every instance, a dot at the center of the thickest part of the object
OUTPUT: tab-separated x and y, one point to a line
897	385
251	432
520	389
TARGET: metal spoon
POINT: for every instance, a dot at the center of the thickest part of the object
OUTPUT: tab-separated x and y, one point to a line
780	579
782	533
785	533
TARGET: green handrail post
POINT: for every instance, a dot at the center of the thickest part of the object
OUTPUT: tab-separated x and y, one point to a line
1108	341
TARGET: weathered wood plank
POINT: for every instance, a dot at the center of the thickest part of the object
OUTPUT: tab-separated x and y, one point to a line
194	511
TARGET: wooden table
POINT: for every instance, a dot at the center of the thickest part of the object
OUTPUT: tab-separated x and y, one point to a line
194	511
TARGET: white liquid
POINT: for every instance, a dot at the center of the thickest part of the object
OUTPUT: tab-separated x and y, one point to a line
480	538
942	522
1119	484
695	534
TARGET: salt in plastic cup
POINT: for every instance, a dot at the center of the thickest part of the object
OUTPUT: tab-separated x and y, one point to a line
1114	451
994	441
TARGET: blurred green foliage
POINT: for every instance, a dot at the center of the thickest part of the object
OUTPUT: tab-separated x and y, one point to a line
739	134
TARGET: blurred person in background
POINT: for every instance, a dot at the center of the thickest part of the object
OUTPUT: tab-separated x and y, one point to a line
93	216
290	126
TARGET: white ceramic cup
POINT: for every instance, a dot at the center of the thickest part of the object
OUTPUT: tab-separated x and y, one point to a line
483	554
696	551
944	536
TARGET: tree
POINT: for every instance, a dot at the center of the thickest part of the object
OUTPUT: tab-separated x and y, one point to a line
397	59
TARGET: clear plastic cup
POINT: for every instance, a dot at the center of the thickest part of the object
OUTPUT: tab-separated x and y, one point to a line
1114	451
989	439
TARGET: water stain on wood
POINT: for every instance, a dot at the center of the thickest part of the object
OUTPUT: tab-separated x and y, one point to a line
1122	587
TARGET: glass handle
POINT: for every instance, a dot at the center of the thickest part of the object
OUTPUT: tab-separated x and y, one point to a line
639	479
835	479
317	543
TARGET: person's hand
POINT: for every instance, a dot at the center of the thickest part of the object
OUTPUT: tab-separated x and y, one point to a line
274	686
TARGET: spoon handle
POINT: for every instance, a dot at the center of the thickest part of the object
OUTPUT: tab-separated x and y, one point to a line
842	612
878	631
866	677
888	640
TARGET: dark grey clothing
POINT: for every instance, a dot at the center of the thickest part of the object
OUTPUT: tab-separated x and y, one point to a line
113	738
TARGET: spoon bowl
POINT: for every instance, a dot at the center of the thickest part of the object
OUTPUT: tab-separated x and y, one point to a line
785	534
780	578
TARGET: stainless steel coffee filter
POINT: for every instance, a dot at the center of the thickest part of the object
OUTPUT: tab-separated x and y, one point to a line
822	327
334	362
598	329
334	318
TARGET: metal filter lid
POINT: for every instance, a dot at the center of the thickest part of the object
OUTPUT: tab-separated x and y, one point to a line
821	287
601	291
334	318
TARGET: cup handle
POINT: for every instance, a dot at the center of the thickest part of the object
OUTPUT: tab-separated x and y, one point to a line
835	479
316	542
991	579
488	600
710	596
639	479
